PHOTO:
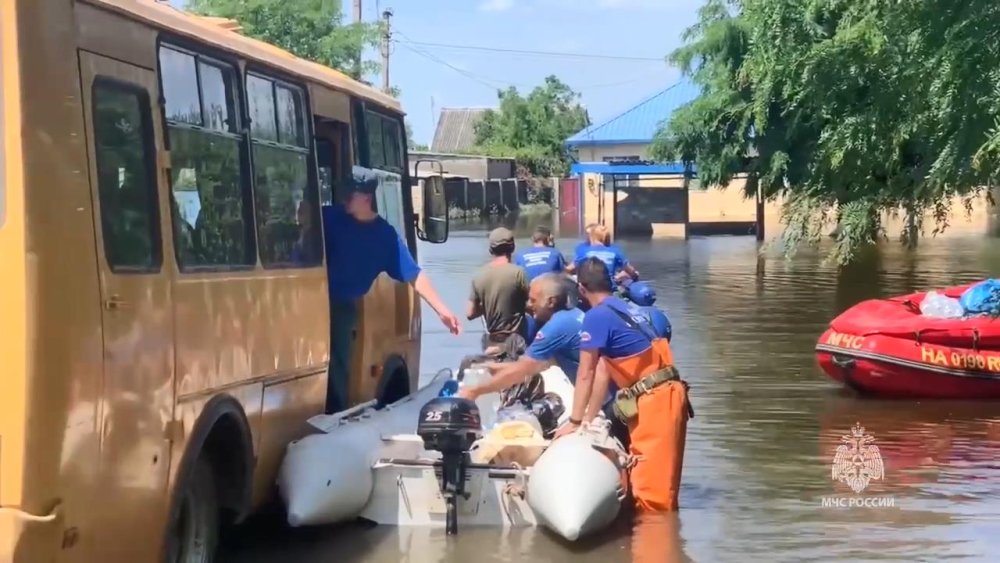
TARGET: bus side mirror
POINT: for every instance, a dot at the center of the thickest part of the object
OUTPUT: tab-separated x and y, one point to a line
433	222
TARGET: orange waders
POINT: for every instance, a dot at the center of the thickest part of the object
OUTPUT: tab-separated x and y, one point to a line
654	403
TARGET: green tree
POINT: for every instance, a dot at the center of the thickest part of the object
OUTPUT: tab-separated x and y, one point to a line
311	29
532	128
847	108
410	143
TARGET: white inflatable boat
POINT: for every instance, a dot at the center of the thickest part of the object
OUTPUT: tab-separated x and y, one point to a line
327	478
371	464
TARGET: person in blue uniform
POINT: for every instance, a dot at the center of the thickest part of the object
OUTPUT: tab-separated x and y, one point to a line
654	403
542	257
359	246
643	296
600	247
556	342
571	266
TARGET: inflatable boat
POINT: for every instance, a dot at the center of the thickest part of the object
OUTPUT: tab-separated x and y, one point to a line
326	478
886	347
428	461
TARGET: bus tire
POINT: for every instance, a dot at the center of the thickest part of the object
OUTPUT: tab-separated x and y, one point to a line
194	535
395	384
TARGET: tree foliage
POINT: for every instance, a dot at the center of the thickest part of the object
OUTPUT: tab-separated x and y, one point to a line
847	108
532	128
311	29
410	143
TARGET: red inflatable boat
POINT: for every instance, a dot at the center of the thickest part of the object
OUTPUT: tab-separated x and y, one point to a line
885	347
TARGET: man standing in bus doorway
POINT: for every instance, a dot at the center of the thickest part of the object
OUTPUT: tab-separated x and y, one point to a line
360	245
651	400
500	294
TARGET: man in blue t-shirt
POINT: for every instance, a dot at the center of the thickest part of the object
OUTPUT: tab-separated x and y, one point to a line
604	336
556	342
541	258
360	245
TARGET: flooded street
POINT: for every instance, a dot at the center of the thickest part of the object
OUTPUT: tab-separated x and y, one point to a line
759	451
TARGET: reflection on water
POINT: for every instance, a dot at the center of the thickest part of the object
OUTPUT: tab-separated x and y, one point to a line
759	452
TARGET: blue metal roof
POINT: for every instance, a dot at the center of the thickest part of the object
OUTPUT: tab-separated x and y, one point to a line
639	123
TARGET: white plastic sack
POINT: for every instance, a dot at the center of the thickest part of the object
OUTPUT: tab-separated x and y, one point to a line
939	306
487	403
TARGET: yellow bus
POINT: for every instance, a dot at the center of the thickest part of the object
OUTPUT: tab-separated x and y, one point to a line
164	311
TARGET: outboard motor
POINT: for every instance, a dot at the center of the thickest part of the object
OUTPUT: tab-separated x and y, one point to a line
450	425
547	410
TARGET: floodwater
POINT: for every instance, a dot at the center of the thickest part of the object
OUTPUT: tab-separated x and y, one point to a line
759	451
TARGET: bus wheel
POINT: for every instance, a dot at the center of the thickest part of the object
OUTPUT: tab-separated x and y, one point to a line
194	536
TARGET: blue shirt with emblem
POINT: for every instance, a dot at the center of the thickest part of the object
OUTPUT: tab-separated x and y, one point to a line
539	260
612	256
558	340
605	331
358	251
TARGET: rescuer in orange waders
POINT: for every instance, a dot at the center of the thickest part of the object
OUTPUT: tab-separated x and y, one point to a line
651	398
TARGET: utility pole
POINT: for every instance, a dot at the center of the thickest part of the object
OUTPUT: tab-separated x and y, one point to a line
386	37
357	21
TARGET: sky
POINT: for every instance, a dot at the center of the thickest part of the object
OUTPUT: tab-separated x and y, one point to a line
468	73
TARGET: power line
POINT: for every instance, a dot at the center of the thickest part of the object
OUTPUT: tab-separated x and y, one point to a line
497	84
409	45
461	71
540	53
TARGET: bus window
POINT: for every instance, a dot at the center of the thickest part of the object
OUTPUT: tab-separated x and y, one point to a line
263	121
180	87
384	142
211	229
376	148
286	199
324	164
392	138
126	181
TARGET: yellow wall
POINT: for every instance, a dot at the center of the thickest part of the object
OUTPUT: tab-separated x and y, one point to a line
983	219
716	205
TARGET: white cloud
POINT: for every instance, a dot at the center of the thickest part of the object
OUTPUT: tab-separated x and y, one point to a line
496	5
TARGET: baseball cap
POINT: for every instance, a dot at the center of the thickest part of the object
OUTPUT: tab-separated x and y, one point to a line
500	237
364	184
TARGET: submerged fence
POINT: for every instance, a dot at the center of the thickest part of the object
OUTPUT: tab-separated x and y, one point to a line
495	197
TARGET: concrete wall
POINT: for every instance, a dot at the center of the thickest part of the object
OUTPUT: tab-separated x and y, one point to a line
473	167
479	196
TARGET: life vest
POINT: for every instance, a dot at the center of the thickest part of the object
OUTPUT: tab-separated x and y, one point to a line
627	370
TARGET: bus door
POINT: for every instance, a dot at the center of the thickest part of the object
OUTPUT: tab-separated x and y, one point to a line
136	411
